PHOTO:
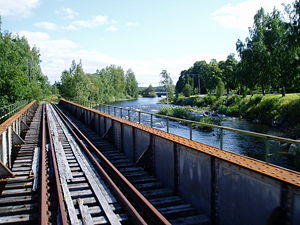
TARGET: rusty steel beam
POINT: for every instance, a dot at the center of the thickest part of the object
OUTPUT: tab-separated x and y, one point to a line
140	201
5	171
273	171
61	204
44	216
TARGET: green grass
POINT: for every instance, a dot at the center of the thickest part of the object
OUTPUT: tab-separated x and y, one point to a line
268	109
51	99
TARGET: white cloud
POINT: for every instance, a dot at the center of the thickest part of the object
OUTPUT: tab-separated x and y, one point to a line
57	55
47	25
240	15
132	24
112	28
67	13
75	25
20	8
94	22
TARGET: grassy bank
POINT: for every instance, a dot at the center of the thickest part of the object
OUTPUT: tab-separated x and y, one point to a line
275	110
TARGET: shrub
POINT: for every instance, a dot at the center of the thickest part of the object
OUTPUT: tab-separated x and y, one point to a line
233	110
187	90
180	112
166	110
233	100
222	109
209	100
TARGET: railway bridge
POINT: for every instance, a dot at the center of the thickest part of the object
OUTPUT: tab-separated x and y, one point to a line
70	164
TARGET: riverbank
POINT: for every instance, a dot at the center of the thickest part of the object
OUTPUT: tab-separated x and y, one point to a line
274	110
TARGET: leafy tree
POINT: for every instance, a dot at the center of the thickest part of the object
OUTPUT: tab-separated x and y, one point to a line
20	73
211	76
106	85
220	88
149	92
229	68
180	83
167	82
131	84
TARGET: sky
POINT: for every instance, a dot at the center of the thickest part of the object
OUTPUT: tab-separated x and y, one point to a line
142	35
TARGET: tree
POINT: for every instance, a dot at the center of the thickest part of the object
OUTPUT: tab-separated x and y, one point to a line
167	82
20	73
106	85
131	84
228	68
180	83
149	92
212	75
220	88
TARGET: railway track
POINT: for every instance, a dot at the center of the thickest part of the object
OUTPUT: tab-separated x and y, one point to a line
66	174
138	209
87	199
169	205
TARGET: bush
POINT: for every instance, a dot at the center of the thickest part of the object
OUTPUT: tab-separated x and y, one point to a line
208	120
222	109
166	110
177	111
209	100
180	112
247	105
233	110
187	90
233	100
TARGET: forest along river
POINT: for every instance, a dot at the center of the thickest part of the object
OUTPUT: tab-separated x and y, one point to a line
234	142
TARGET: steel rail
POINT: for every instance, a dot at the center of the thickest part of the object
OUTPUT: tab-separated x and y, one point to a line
138	219
149	211
61	204
44	216
250	133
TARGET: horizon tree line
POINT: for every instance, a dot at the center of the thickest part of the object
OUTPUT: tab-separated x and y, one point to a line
269	59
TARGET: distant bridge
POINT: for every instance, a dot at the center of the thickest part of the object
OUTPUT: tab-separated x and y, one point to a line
161	93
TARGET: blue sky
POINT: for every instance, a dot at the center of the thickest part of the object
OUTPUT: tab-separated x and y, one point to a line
146	36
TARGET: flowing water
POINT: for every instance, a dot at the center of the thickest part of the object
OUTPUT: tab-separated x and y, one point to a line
234	142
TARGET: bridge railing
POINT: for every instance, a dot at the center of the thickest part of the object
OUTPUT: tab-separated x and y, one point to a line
219	183
11	131
136	116
7	111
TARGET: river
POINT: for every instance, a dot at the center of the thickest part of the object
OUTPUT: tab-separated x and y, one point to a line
234	142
